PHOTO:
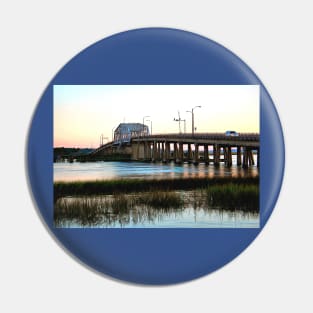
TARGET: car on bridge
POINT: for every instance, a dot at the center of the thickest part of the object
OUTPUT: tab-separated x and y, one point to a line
231	133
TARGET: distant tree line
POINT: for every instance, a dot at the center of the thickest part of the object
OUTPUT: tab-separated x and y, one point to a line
61	152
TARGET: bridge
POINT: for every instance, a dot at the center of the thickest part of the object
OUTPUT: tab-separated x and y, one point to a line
208	148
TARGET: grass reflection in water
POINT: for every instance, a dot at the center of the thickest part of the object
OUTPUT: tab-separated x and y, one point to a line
119	210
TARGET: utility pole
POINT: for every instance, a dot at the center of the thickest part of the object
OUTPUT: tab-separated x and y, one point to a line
180	120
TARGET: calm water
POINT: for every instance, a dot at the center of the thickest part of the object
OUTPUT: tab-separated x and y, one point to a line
187	218
112	170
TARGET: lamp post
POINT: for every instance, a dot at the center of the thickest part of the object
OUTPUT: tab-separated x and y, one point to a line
193	119
150	126
143	123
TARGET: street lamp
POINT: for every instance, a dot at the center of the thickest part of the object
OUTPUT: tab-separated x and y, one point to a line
150	126
193	119
143	123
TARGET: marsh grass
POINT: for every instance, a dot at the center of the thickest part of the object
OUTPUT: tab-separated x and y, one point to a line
122	208
85	210
160	200
93	210
120	203
234	196
107	187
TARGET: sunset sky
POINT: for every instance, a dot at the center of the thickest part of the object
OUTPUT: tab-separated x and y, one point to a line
83	112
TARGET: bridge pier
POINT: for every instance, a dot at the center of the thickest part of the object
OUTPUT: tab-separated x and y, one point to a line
175	153
216	154
154	152
136	151
250	157
166	152
162	150
238	155
158	151
225	153
180	155
139	151
228	156
196	155
206	153
245	158
147	152
189	156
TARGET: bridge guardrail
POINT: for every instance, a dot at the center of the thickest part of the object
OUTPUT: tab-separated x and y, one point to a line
206	136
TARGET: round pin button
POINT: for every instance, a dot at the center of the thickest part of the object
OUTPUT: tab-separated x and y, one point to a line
155	156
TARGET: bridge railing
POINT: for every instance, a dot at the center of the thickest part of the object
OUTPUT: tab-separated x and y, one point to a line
212	136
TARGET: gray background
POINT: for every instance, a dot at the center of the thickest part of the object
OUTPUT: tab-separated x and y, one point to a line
273	38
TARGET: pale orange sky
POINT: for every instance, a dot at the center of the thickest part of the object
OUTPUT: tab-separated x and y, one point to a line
83	112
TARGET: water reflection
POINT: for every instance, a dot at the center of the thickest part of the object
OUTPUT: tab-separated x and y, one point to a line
187	210
113	170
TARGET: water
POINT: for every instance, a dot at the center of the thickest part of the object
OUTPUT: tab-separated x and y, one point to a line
112	170
194	213
187	218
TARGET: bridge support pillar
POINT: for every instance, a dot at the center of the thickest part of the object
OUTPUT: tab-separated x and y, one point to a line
238	155
196	155
162	150
245	158
166	153
228	157
154	151
147	152
180	156
217	154
175	156
206	154
139	151
151	151
158	157
250	157
225	149
189	152
135	154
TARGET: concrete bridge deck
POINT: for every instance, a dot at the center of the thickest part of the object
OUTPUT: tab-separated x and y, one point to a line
244	139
